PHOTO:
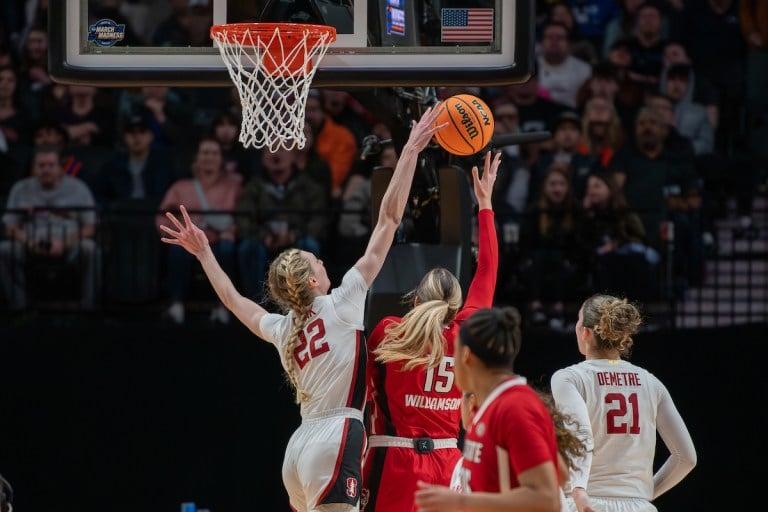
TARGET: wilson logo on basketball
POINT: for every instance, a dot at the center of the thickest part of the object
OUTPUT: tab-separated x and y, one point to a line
469	126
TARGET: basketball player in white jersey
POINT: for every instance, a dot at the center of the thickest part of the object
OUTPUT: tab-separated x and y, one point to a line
319	341
618	407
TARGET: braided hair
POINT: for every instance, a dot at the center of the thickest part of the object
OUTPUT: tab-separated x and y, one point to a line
288	286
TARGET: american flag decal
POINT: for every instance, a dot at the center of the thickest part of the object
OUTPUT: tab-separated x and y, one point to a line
466	25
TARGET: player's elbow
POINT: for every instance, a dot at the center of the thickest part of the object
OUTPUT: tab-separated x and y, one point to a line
689	461
389	216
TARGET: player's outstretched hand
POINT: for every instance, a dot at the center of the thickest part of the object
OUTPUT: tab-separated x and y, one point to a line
484	184
187	235
424	129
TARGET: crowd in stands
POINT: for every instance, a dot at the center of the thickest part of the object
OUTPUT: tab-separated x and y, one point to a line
656	110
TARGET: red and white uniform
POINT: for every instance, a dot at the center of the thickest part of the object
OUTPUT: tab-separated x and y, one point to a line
323	458
620	406
415	415
511	432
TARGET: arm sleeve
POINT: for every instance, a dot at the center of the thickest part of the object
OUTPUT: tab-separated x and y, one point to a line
483	286
271	325
349	298
682	454
570	402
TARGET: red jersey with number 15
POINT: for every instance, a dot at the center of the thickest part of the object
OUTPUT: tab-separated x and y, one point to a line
426	402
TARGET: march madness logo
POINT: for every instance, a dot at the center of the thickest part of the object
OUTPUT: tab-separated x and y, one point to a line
106	32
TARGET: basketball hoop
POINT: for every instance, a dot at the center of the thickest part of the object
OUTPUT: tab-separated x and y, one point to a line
272	66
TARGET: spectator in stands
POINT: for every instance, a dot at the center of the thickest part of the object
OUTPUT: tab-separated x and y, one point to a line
52	133
617	251
33	64
347	111
719	60
510	195
283	208
601	132
311	164
335	143
535	112
13	156
237	160
54	219
210	189
581	47
565	152
647	46
630	92
560	73
140	173
674	141
690	118
621	25
87	123
168	117
699	89
548	239
592	17
662	185
605	83
129	188
717	179
14	121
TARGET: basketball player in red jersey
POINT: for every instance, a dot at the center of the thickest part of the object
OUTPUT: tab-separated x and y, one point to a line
318	341
414	403
510	458
620	408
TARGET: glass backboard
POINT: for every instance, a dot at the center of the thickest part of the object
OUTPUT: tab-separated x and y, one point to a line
379	42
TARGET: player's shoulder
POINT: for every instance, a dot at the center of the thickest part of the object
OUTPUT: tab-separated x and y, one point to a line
570	371
379	330
385	321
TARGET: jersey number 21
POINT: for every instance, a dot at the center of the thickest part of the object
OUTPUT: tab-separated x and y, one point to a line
618	419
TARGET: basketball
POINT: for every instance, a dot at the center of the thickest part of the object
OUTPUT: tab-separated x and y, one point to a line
470	125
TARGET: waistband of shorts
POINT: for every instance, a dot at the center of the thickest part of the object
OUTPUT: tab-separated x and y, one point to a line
344	412
410	442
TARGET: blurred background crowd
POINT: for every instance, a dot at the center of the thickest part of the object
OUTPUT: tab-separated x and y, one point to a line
658	112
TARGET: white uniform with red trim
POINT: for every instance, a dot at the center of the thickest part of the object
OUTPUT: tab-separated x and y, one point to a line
619	407
322	463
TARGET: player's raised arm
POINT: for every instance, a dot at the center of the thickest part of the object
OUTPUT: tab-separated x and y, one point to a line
194	240
396	196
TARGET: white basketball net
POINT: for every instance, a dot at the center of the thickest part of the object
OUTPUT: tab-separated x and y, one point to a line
272	67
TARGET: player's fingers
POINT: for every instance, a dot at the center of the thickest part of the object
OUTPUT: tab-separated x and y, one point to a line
187	220
171	241
175	221
170	231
